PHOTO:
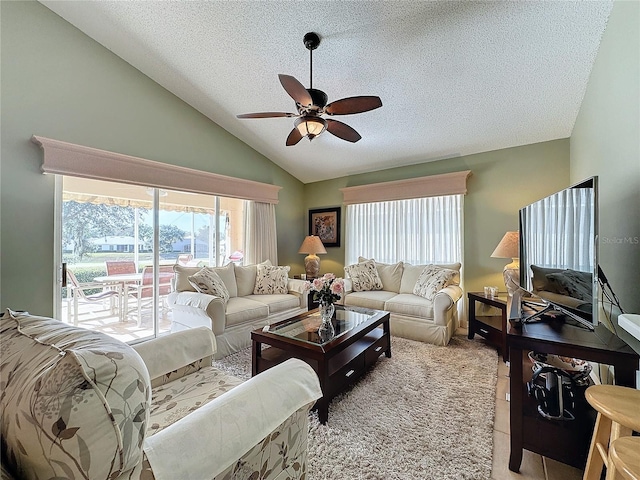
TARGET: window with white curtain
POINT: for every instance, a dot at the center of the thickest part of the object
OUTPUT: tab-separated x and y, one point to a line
416	231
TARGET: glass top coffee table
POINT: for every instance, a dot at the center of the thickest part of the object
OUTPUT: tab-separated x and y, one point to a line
361	336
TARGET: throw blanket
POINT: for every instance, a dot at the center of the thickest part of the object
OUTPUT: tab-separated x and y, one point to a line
207	441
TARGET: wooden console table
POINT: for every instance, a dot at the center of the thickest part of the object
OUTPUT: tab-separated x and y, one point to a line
565	441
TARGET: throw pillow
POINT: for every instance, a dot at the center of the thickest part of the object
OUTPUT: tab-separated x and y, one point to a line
228	275
271	280
182	278
364	276
390	274
432	280
246	278
209	282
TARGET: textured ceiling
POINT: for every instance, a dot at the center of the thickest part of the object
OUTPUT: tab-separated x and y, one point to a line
455	78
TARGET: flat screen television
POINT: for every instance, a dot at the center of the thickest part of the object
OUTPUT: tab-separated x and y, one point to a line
559	255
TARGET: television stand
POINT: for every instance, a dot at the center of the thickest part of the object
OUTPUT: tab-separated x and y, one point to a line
555	307
564	441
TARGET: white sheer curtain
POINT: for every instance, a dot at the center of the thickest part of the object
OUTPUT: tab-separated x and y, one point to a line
260	238
417	231
561	230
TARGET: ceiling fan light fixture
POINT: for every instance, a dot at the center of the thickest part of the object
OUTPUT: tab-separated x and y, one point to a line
310	126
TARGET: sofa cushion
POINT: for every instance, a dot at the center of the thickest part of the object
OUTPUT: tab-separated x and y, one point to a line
178	398
242	309
209	282
364	276
77	395
276	303
182	274
432	280
271	280
411	273
369	299
228	275
390	274
410	305
246	278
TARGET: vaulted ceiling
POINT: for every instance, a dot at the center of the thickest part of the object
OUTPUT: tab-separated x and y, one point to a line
455	77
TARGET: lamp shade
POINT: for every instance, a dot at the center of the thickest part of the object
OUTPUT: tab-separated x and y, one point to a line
509	246
312	245
310	126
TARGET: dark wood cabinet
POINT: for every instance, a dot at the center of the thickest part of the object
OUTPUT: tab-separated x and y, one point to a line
564	441
491	326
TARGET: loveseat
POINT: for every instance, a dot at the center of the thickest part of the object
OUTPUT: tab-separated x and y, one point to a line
244	298
80	404
422	299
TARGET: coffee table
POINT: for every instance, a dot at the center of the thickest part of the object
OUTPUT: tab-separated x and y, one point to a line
362	335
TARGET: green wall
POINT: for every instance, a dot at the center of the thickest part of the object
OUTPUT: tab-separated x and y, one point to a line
501	183
57	82
606	142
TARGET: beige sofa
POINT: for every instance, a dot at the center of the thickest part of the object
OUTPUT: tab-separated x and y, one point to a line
233	320
80	404
430	320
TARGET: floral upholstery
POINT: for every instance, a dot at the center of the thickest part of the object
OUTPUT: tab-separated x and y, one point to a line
364	276
174	400
432	280
79	395
79	404
271	280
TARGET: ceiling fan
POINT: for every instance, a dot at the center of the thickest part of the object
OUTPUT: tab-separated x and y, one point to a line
312	104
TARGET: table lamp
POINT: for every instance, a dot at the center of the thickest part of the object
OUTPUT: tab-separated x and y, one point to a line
312	245
509	248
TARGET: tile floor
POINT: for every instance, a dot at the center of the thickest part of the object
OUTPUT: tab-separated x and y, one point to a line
534	466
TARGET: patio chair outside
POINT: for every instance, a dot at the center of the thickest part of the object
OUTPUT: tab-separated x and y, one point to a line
76	293
120	267
145	289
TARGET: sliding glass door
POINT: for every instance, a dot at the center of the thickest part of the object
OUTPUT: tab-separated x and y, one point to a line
119	244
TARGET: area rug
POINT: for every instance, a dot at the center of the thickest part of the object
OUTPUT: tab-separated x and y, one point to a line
425	413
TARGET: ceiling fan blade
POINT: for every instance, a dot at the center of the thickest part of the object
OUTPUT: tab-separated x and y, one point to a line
342	130
267	115
295	90
347	106
294	137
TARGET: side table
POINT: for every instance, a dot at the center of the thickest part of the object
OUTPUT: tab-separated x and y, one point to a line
493	328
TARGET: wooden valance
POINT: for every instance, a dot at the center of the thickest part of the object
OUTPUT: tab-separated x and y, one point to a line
62	158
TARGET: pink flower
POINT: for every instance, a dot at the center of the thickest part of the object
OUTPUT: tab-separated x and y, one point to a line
327	277
337	287
318	284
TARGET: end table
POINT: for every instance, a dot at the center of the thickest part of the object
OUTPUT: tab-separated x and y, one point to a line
493	328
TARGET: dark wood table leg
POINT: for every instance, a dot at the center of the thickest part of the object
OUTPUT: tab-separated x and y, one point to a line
387	333
625	373
515	408
256	351
503	343
323	410
472	319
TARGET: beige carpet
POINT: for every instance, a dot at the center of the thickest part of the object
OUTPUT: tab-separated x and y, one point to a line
425	413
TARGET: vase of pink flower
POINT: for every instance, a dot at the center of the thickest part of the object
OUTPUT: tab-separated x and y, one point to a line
326	291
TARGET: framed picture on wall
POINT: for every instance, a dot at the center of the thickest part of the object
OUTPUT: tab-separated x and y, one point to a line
325	223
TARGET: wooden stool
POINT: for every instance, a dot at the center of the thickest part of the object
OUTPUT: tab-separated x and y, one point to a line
618	414
624	459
